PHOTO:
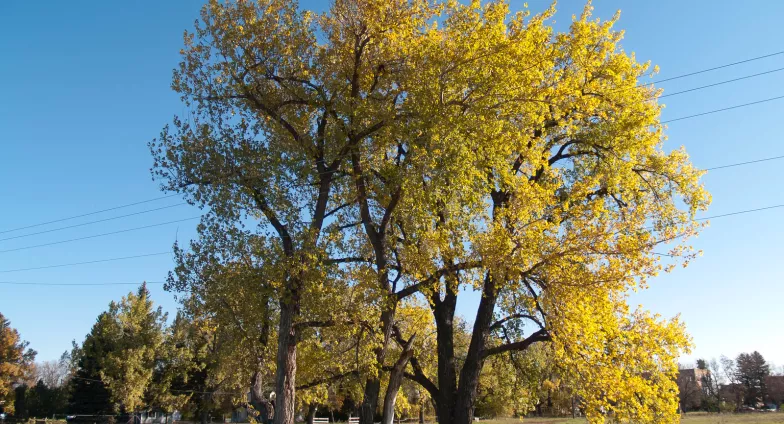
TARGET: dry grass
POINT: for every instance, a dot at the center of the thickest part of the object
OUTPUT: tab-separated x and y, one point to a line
691	418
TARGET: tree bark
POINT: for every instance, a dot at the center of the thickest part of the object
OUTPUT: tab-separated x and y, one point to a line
444	314
469	375
395	379
312	408
261	404
373	385
203	407
285	375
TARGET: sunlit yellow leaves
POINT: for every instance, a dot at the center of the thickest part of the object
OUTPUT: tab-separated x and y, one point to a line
532	153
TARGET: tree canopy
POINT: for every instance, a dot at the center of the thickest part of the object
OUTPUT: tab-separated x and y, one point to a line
385	150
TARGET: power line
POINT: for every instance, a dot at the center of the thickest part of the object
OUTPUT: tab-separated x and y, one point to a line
723	109
86	262
98	235
740	212
16	283
721	83
744	163
162	282
88	214
93	222
715	68
169	252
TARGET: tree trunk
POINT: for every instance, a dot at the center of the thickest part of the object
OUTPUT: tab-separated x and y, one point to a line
285	375
472	367
370	401
258	401
311	412
369	405
203	406
421	413
574	409
444	314
395	380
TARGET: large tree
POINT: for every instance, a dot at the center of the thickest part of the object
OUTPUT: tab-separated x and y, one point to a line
752	372
402	148
554	179
136	330
16	362
229	316
89	395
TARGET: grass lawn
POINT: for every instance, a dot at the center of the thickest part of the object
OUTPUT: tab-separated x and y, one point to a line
691	418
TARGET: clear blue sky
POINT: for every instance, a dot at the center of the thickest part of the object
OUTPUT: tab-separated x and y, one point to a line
85	85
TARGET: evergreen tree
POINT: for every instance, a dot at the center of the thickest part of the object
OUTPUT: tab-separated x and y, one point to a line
136	331
752	371
88	394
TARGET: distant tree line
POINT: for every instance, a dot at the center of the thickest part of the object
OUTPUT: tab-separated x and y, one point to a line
208	367
731	385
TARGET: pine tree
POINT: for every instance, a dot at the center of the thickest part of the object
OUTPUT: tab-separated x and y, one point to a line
89	394
752	371
136	330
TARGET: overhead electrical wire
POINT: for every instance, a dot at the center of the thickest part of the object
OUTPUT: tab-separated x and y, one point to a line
720	83
162	282
85	262
169	252
744	163
17	283
92	222
722	109
88	214
702	71
98	235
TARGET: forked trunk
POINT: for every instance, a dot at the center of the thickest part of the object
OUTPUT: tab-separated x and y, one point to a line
373	385
395	380
258	401
472	367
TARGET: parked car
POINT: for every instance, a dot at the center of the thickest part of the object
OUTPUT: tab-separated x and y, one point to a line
770	408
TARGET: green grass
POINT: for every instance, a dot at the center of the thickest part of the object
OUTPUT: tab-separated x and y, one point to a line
690	418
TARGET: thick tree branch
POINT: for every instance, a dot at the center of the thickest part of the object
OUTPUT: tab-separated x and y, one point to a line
327	380
280	228
538	336
502	321
353	259
407	291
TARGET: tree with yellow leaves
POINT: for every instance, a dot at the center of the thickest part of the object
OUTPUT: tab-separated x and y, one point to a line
410	147
552	177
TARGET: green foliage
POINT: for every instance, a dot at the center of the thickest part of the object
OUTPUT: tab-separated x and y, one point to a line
40	401
751	372
387	148
136	331
88	393
127	362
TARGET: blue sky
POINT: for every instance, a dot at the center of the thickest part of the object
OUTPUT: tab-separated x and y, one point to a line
85	85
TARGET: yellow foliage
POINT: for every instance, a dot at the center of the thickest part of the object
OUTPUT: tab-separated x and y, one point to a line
455	134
